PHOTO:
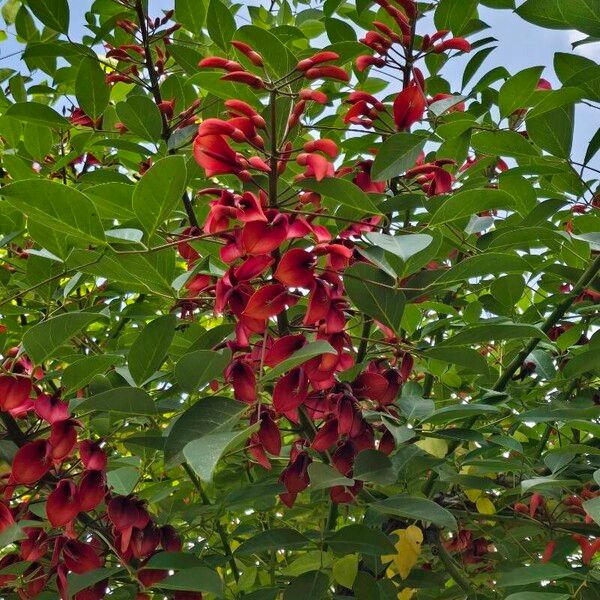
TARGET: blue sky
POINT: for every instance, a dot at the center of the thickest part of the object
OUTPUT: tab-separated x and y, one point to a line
520	45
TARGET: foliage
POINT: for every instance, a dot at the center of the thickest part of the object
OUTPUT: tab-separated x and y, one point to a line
284	316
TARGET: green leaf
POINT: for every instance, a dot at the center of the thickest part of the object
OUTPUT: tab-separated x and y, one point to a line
585	362
220	24
592	508
45	338
58	206
123	480
11	534
517	92
403	246
80	373
552	99
374	466
300	357
360	538
313	585
373	292
158	192
537	596
345	570
52	13
215	414
563	14
91	90
76	582
474	63
39	114
502	143
396	155
324	476
141	116
464	357
493	331
533	574
272	539
277	57
196	369
455	16
149	349
191	14
127	400
196	579
204	453
411	507
553	131
485	264
470	202
341	191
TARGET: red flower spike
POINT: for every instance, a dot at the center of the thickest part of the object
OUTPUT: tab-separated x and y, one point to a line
314	95
387	443
216	62
126	513
31	462
14	392
92	456
80	557
250	79
296	268
254	57
290	391
328	147
548	551
365	61
327	72
63	503
409	107
92	489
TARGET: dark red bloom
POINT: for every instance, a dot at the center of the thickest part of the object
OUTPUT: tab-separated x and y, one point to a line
326	436
268	434
295	475
169	539
80	557
63	503
92	455
51	408
241	376
283	348
63	437
261	237
14	392
267	302
144	541
6	517
32	461
92	489
125	513
290	391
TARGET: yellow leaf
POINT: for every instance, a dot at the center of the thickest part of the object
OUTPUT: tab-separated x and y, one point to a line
408	549
345	570
439	448
485	506
473	495
406	594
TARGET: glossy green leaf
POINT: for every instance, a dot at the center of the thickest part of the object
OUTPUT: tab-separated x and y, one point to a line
141	116
39	114
196	579
470	202
518	91
396	155
127	400
362	539
91	90
412	507
52	13
220	24
342	191
196	369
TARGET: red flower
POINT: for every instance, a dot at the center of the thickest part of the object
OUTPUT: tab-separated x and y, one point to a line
283	348
14	392
244	77
296	268
269	434
259	237
63	503
548	551
144	541
92	489
80	557
63	437
327	72
169	539
216	157
217	62
126	512
267	302
588	549
242	377
409	107
92	456
51	408
6	517
290	391
326	436
254	57
453	44
31	462
317	166
295	475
